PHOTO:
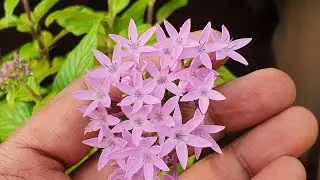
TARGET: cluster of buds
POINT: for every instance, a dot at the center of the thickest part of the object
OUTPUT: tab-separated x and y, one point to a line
14	72
150	134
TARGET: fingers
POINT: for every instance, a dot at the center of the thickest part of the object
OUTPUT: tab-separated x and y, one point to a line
289	133
285	167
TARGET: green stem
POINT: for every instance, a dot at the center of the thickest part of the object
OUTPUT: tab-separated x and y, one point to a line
60	35
150	11
36	97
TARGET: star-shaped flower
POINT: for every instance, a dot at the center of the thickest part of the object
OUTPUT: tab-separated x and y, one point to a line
164	80
98	94
98	118
138	93
135	46
204	48
204	131
230	50
111	69
146	157
203	91
180	136
138	122
110	145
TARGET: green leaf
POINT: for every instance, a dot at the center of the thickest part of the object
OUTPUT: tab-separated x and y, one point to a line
11	120
190	162
78	61
117	6
29	51
7	22
136	12
224	76
9	6
23	94
10	97
42	8
48	98
47	38
167	9
24	24
76	19
41	69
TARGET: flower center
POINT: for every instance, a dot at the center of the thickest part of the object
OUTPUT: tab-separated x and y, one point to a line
203	92
147	158
166	51
134	45
138	94
158	118
201	48
199	132
111	144
112	69
100	94
161	79
179	40
179	135
138	122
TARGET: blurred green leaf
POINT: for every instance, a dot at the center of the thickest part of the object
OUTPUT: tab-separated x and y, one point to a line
117	6
191	160
42	69
47	38
10	97
42	8
76	19
48	98
9	6
24	24
23	94
10	120
224	76
136	12
167	9
78	61
7	22
29	51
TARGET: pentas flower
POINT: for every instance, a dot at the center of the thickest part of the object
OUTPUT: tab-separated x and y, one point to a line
149	133
135	46
137	122
98	94
111	69
138	93
204	131
230	50
110	145
179	136
204	48
164	80
203	91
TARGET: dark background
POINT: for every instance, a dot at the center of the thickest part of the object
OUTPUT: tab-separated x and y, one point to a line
244	18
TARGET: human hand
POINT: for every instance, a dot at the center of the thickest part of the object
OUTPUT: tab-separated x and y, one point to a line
259	103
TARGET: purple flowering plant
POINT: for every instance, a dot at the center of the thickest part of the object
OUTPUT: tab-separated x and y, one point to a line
149	128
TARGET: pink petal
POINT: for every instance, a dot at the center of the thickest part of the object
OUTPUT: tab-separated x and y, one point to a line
164	62
84	95
127	125
148	142
125	88
159	91
190	96
213	128
185	29
212	47
159	163
161	36
170	29
93	142
168	121
203	104
124	67
118	174
119	39
136	135
137	80
91	107
220	55
172	87
206	60
148	49
197	141
148	99
155	150
126	135
214	35
167	147
103	159
170	105
112	120
148	171
144	38
205	33
237	57
132	32
209	81
153	69
98	73
182	152
195	82
134	168
182	75
137	106
102	58
215	95
177	117
145	110
190	52
167	177
225	34
239	43
216	147
189	43
197	152
94	82
94	125
100	135
193	123
127	101
106	101
148	127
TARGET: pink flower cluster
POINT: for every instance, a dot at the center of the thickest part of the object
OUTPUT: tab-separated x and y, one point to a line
149	134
